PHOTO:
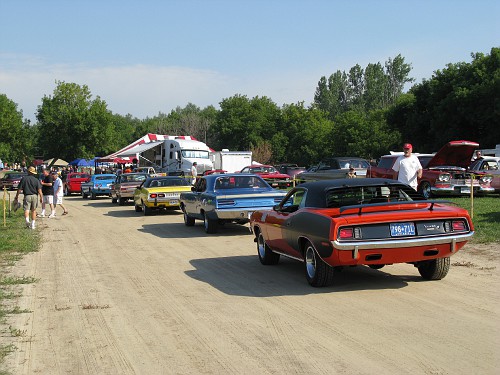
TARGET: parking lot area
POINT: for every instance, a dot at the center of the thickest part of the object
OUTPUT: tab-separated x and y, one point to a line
123	293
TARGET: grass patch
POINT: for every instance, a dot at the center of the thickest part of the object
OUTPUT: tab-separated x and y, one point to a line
15	242
486	216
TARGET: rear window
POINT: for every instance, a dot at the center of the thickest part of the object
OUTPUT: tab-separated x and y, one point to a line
79	176
370	194
100	178
387	163
167	182
15	176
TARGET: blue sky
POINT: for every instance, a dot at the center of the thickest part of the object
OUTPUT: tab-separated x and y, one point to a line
146	57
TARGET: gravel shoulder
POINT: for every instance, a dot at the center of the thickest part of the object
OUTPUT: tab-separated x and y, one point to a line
122	293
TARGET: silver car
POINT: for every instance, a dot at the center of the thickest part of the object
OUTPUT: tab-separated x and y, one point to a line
337	167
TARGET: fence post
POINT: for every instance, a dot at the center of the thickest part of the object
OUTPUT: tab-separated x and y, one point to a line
472	177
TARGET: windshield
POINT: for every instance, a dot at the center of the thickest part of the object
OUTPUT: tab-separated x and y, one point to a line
351	196
195	154
263	169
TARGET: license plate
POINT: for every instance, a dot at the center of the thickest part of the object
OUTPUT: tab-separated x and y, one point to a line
465	190
402	229
174	203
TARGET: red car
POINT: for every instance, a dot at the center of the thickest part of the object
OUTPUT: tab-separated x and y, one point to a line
331	224
73	182
11	180
444	173
270	175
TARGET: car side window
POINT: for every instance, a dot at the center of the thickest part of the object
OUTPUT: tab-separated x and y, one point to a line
293	201
201	185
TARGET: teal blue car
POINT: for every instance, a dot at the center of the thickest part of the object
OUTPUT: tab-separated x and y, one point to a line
221	198
98	184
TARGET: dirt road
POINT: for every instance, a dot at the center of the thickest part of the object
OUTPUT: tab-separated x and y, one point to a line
121	293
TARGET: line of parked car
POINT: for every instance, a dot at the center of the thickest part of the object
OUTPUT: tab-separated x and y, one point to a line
326	225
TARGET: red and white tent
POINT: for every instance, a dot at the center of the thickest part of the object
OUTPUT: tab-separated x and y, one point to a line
130	152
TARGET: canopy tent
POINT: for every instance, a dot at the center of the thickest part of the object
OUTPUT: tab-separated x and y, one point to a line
53	162
128	153
80	163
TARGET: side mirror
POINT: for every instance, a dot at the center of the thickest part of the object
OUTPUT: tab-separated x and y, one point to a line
193	189
276	207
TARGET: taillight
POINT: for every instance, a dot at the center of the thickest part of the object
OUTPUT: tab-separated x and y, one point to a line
455	226
153	195
346	233
458	225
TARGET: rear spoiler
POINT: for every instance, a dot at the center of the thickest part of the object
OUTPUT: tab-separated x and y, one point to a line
360	207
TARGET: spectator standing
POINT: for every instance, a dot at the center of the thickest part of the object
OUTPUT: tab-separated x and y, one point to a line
407	168
194	173
48	193
32	190
58	194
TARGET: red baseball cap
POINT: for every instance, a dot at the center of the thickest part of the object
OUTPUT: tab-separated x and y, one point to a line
408	145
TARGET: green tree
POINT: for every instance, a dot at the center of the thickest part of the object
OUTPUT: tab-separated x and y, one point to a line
458	102
309	134
244	123
16	141
362	90
72	124
366	136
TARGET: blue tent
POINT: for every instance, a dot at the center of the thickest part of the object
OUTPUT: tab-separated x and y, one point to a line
80	163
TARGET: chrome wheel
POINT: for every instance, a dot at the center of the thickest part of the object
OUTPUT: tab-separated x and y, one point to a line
310	260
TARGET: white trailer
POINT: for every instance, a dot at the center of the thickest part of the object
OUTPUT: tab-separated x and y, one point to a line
178	156
231	161
175	156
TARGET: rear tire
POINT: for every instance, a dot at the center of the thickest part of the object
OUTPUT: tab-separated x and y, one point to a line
266	255
210	224
318	273
188	220
434	269
147	210
376	266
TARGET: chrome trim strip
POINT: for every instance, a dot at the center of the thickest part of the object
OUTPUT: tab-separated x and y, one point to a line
238	213
397	243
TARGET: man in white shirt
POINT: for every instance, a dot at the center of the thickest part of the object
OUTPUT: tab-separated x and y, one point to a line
194	173
58	194
407	168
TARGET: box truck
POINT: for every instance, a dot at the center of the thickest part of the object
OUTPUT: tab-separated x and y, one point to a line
231	161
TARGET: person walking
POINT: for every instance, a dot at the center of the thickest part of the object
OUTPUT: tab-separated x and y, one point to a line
194	173
58	193
31	188
48	193
407	168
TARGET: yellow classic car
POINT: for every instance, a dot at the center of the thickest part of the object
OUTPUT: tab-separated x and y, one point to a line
159	192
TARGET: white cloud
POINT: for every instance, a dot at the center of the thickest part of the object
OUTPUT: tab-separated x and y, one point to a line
145	90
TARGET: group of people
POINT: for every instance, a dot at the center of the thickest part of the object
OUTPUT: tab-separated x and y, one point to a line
49	191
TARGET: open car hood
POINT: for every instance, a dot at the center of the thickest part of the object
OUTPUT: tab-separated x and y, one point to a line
454	153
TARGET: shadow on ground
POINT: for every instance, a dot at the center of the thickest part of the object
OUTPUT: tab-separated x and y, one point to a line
245	276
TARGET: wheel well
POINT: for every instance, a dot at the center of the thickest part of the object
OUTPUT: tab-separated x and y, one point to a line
302	244
256	231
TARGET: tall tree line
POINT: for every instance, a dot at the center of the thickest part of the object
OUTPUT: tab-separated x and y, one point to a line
361	112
